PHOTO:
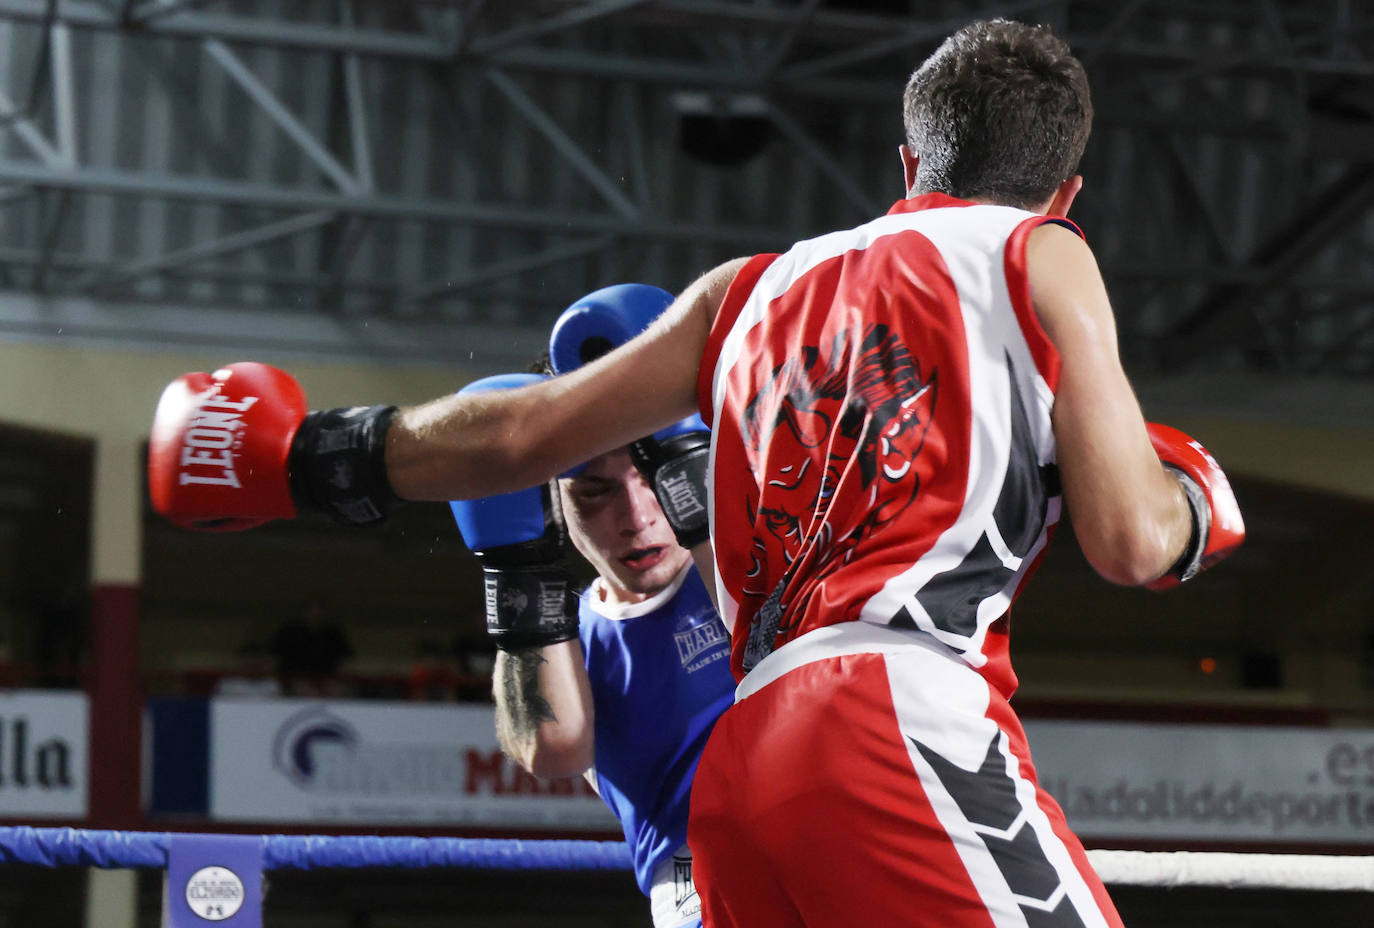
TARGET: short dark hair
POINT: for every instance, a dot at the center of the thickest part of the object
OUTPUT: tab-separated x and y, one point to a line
542	364
1001	111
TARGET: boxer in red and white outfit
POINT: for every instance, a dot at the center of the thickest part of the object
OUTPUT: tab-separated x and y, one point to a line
885	405
898	411
884	452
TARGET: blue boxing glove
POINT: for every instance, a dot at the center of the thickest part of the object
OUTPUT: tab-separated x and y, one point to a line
603	320
672	460
519	539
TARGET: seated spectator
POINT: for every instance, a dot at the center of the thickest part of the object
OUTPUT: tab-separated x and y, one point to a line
310	650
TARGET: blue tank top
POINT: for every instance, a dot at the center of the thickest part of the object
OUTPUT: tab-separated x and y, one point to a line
660	677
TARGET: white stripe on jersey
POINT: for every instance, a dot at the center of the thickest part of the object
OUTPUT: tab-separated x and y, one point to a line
971	241
776	280
786	270
960	733
966	237
941	706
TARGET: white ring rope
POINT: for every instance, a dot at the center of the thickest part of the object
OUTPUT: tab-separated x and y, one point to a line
1234	871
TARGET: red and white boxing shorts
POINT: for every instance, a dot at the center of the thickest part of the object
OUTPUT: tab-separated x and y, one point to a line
867	777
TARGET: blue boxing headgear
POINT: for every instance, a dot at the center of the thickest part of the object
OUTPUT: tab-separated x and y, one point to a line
674	459
603	320
506	518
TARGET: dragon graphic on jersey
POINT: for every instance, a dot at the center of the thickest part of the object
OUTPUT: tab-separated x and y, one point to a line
833	436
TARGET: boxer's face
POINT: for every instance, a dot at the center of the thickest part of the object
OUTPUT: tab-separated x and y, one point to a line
615	521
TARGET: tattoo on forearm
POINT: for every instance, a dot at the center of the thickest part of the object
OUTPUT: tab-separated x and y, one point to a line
526	707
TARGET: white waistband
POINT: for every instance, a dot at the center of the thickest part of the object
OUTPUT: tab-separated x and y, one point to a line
834	641
673	900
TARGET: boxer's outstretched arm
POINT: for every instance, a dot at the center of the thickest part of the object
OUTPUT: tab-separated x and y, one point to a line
544	716
1130	518
239	447
478	445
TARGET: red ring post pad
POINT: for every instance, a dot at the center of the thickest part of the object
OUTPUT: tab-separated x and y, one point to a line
213	880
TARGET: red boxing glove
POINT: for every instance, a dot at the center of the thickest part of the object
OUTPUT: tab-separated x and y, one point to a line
1218	528
217	457
237	448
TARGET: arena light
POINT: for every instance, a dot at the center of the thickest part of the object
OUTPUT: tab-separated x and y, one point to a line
722	129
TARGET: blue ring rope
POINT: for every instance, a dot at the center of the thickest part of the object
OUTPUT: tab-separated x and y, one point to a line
79	847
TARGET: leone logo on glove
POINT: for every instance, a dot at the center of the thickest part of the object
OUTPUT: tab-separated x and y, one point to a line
208	443
503	599
681	494
552	598
548	600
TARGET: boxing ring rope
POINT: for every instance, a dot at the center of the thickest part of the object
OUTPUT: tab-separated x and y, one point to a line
1234	870
199	853
74	847
62	847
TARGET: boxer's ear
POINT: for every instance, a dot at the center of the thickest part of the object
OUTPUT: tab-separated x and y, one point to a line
910	161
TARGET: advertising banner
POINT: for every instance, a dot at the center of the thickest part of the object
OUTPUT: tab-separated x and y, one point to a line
396	764
1229	783
355	762
43	754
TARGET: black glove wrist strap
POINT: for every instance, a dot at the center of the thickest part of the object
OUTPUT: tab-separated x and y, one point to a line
529	607
337	464
1190	562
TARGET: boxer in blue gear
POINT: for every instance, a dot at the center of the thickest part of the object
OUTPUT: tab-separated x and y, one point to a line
673	459
630	702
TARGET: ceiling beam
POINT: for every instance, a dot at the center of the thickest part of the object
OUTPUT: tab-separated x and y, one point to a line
1227	315
248	193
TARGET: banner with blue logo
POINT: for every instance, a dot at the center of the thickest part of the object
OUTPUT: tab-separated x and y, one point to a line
370	763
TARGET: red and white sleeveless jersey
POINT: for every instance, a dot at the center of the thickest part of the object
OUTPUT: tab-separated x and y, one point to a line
881	445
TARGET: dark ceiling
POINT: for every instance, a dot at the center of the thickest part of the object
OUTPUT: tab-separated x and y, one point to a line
435	180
